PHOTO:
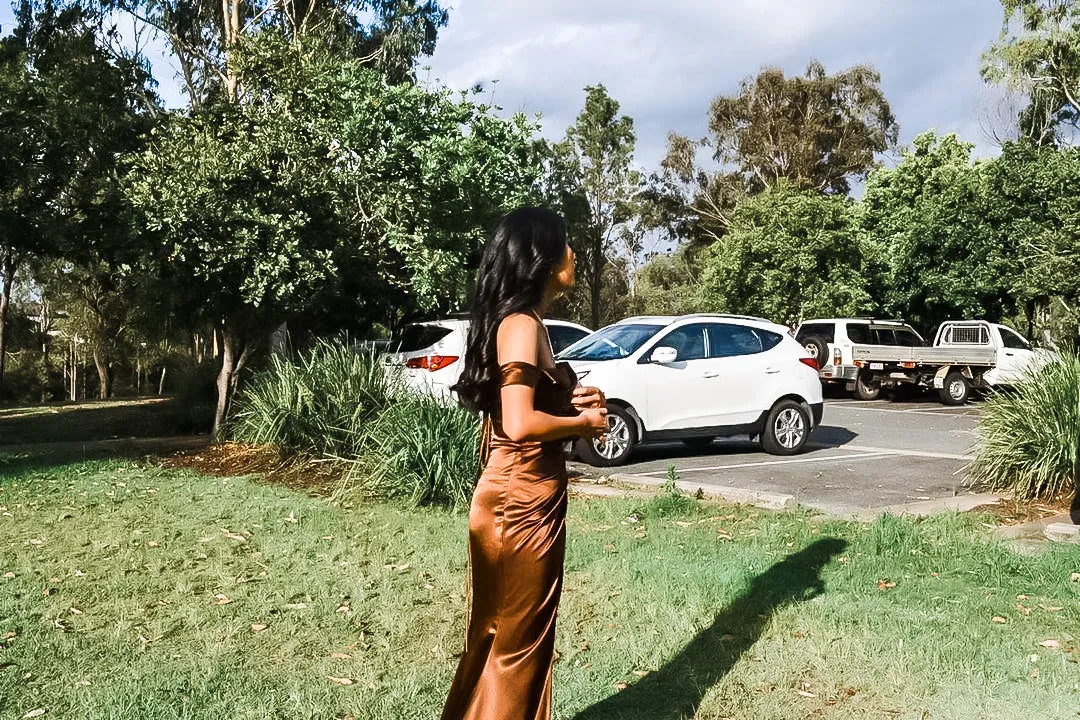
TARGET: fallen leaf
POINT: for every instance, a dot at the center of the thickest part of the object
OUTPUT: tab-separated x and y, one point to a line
885	584
82	683
9	575
233	536
1023	609
583	646
34	713
1075	577
641	673
221	599
343	609
257	627
340	680
621	686
1050	644
153	543
1034	673
1022	597
340	656
1052	608
806	694
998	619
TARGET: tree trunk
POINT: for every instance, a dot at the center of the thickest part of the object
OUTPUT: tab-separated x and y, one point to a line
7	277
161	382
236	347
596	279
104	377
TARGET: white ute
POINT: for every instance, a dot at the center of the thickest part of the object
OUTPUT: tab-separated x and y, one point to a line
966	354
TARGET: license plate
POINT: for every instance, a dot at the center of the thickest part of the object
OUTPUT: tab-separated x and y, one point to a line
877	366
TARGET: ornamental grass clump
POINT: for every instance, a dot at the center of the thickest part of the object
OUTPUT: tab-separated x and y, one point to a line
1028	435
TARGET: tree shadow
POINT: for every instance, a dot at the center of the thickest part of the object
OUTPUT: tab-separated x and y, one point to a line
675	690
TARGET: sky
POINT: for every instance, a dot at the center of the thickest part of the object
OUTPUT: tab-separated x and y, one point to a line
665	62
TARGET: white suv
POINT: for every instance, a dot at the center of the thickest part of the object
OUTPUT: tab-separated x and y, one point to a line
697	377
430	355
829	342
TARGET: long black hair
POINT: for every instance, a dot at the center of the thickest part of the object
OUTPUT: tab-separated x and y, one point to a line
516	266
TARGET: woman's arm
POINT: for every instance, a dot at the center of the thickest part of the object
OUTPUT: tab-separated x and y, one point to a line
518	341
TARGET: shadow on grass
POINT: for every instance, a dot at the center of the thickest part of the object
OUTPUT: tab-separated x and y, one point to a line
675	690
107	420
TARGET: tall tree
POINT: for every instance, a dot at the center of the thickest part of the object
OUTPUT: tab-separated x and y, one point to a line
206	36
599	147
1038	54
69	110
813	132
260	206
930	226
789	254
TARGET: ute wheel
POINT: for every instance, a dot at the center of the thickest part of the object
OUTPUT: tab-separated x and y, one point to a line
786	428
818	349
620	442
865	388
956	390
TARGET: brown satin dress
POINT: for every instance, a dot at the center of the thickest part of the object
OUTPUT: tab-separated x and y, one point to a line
517	541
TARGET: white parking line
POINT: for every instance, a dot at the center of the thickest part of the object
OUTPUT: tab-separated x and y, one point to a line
855	456
894	451
935	413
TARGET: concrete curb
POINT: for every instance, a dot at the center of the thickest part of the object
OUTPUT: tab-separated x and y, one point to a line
958	503
768	500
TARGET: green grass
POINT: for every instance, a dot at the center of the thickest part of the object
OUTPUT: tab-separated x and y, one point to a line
110	609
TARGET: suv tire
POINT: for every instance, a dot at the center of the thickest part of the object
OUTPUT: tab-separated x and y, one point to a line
865	388
787	428
818	349
621	440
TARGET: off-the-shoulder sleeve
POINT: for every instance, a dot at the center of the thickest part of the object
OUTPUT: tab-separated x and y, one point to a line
519	373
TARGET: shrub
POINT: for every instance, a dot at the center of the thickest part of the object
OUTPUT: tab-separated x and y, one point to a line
423	450
1028	435
336	402
319	404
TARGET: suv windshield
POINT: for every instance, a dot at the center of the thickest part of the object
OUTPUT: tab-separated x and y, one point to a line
611	343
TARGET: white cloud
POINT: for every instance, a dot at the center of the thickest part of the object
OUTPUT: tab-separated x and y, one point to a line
664	64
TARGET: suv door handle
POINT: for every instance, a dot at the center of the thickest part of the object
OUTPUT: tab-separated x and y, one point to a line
771	370
710	374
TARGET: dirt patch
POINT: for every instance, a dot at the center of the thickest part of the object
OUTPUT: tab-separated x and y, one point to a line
317	477
1009	512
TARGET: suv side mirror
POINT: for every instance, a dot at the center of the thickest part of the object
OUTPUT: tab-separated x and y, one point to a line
664	355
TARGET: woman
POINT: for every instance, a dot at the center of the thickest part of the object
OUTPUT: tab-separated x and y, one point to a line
517	523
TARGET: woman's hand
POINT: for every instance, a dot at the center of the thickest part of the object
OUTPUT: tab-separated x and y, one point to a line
594	422
587	397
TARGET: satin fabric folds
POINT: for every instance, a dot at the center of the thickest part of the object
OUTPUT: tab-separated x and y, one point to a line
517	542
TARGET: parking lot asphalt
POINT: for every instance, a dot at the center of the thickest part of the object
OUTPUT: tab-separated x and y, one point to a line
865	458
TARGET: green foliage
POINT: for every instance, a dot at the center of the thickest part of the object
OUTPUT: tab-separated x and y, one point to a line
423	450
335	402
666	285
936	251
1027	436
1038	55
814	131
320	404
788	255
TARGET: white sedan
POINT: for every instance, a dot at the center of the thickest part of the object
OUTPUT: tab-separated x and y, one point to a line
697	377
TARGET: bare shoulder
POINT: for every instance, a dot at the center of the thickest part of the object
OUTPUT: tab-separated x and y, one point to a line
519	339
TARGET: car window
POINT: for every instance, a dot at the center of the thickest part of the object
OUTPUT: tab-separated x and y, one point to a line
418	337
563	336
967	335
688	341
611	343
1013	341
825	331
859	333
730	340
908	338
